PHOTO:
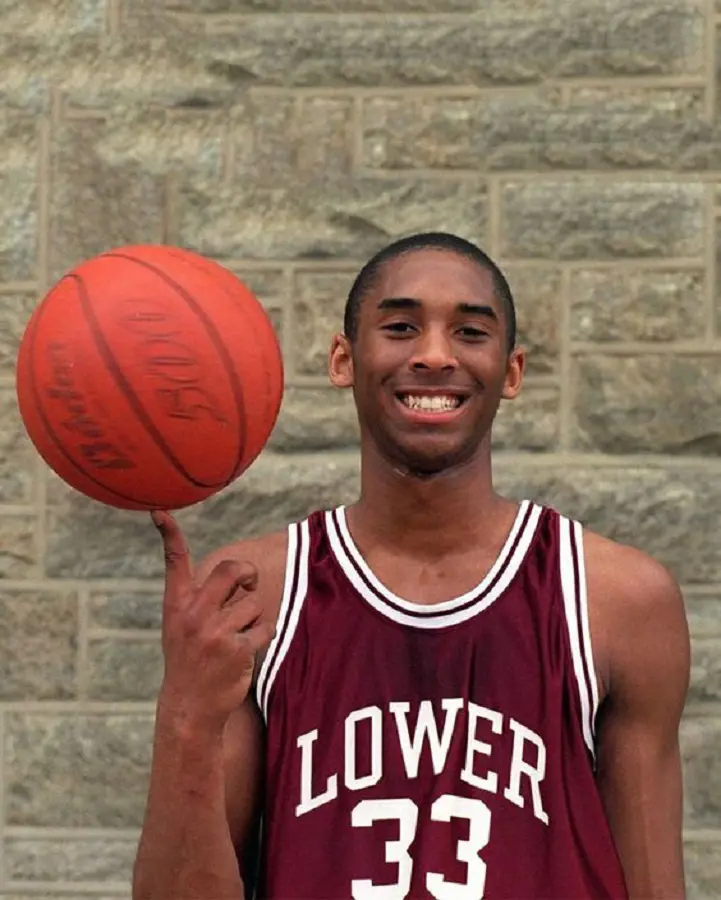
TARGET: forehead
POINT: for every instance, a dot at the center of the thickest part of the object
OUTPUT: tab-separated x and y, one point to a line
435	276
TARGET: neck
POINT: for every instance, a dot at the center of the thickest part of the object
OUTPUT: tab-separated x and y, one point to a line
426	515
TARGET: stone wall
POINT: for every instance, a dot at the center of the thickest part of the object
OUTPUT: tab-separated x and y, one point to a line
578	141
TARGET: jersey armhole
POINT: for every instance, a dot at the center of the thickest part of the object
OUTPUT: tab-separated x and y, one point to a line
295	587
575	604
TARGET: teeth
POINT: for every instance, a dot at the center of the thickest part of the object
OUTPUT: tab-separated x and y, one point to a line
435	403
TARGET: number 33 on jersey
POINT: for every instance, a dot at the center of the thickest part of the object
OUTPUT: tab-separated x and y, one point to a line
405	813
440	751
428	737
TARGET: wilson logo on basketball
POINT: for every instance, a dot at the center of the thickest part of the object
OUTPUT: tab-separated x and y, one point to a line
95	445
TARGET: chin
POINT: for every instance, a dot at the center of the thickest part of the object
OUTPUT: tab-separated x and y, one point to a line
427	462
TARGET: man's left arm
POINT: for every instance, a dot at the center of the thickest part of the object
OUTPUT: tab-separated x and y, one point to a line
647	660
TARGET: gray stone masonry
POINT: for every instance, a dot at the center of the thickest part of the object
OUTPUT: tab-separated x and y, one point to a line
578	140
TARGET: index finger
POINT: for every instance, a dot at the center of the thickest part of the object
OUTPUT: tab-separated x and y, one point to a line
178	569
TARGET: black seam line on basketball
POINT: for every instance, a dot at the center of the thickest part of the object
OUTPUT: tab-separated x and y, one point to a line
200	263
227	364
575	558
481	590
215	339
132	398
123	386
48	427
292	600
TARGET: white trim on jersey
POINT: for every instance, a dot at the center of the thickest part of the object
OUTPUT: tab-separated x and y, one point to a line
436	615
585	626
575	602
295	589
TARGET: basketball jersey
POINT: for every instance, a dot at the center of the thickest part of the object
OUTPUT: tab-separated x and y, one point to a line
434	751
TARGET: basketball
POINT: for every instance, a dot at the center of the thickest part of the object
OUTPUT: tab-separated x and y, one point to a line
149	377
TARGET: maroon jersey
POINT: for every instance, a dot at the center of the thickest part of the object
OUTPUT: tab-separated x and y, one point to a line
434	751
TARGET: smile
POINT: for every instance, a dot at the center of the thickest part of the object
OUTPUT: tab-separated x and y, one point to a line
431	403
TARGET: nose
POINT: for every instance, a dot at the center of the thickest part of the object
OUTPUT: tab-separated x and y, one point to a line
433	350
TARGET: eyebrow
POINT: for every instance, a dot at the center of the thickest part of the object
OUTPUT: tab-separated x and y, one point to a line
472	309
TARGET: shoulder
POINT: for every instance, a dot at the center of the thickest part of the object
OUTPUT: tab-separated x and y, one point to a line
628	575
267	554
637	611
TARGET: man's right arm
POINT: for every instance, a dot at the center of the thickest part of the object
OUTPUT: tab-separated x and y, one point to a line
205	783
202	807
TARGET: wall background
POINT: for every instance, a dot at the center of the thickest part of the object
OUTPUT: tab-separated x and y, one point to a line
578	142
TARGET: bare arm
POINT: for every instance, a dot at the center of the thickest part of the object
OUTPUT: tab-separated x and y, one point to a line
244	765
208	750
190	847
647	661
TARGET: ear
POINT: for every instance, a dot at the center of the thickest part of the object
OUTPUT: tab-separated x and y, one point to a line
340	362
515	368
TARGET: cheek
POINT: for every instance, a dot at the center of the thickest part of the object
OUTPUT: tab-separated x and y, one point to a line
371	391
485	364
378	359
366	388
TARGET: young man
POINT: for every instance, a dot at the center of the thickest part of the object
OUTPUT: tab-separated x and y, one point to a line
436	692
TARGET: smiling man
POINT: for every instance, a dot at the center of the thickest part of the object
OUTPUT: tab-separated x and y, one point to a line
436	692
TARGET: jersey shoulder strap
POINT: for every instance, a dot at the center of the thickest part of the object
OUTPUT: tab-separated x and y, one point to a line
575	606
295	589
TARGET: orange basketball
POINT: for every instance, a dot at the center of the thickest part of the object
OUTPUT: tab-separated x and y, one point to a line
149	378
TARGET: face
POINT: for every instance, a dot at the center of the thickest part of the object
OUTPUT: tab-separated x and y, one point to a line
429	365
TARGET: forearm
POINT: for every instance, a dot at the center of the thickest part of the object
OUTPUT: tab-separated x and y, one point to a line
186	851
643	795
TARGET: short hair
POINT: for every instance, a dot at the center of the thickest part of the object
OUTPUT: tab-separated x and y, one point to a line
433	240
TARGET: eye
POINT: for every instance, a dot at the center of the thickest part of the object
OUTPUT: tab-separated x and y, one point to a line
473	332
398	328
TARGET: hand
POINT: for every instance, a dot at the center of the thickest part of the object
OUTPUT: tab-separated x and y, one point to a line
211	633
